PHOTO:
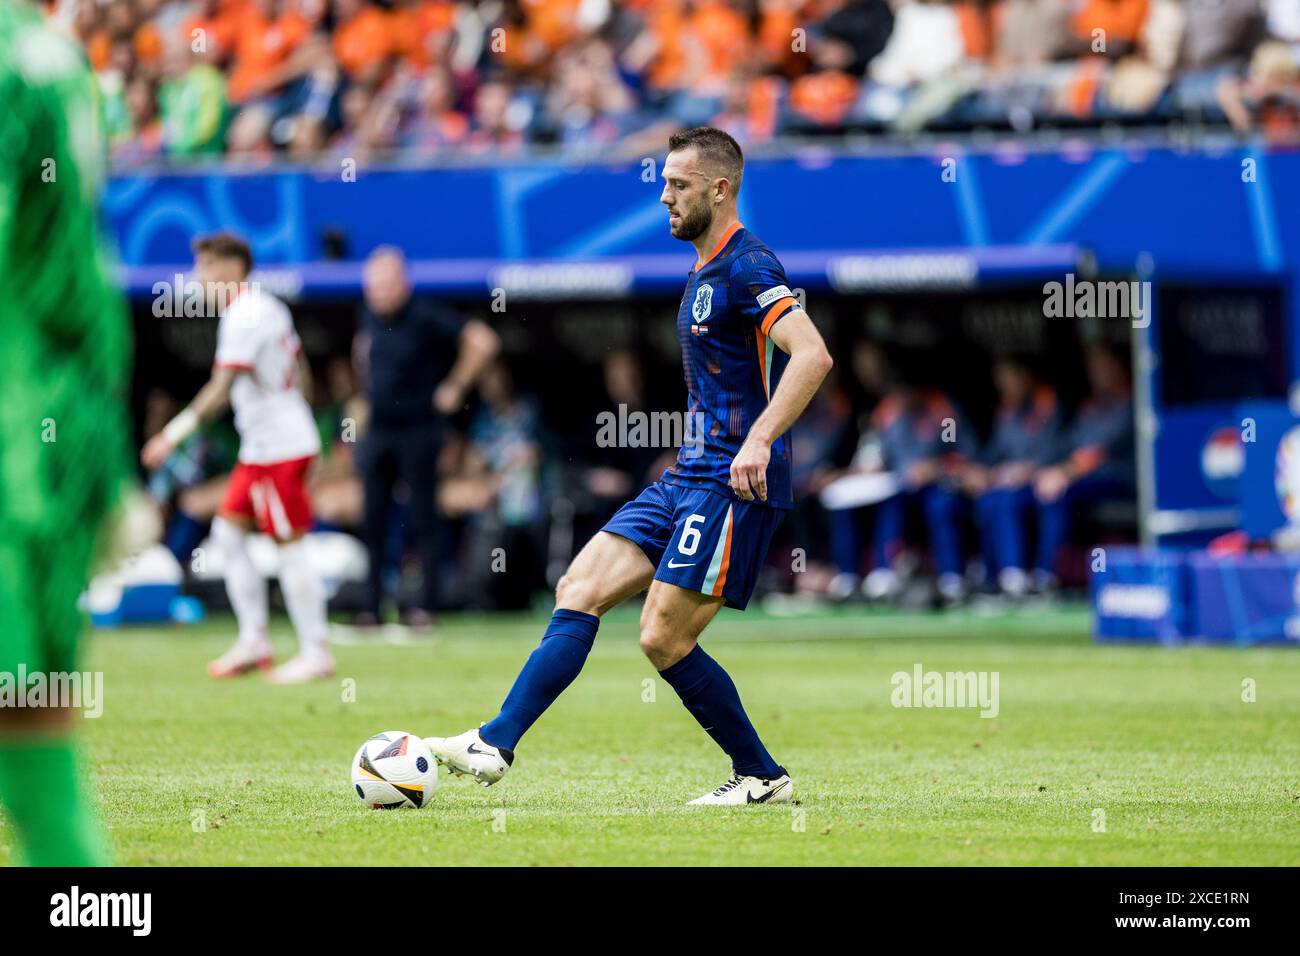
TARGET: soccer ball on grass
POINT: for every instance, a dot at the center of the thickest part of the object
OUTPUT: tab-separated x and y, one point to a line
393	770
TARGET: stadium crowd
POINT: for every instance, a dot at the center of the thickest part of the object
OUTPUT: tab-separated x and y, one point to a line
356	78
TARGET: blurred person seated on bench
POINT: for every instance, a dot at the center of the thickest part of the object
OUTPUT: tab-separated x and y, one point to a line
866	388
1027	432
822	443
923	440
1097	461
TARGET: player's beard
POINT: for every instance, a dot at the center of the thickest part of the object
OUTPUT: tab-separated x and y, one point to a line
695	223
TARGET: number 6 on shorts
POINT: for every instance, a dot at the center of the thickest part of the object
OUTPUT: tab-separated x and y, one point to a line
690	533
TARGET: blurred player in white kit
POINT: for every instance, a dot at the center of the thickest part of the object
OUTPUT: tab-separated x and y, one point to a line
259	371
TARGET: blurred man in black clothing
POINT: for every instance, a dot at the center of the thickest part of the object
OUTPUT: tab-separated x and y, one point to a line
419	360
854	32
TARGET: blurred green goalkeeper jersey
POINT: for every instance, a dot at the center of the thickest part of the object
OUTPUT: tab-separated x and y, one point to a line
64	343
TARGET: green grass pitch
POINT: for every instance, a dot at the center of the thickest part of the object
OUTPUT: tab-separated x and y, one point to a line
1099	755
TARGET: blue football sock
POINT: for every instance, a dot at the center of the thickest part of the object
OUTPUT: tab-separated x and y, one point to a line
184	534
711	697
549	669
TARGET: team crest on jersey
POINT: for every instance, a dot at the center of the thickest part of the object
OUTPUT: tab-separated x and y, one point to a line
703	306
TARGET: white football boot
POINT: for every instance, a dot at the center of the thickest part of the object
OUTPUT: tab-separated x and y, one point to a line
739	791
881	584
303	669
241	659
469	753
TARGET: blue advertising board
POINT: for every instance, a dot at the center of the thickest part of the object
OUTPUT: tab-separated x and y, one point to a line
1121	203
1246	599
1140	594
1270	481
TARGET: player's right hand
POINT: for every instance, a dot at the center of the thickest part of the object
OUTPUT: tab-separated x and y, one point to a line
749	470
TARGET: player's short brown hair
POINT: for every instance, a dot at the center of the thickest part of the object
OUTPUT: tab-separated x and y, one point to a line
718	150
227	245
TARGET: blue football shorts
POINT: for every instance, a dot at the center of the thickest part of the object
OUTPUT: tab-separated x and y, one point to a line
700	539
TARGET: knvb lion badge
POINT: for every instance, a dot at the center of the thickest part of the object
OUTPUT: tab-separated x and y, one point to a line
701	309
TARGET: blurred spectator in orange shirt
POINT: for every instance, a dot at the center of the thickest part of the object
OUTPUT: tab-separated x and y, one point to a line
147	39
690	45
1109	27
975	19
113	23
657	52
363	39
553	23
777	40
214	28
425	30
268	33
749	110
824	98
512	44
537	30
717	38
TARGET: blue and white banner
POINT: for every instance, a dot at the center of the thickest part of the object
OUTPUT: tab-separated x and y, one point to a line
848	222
1141	595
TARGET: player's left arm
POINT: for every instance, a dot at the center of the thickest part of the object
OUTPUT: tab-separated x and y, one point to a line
809	363
210	402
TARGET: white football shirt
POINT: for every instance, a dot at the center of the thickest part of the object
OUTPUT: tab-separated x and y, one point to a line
256	337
